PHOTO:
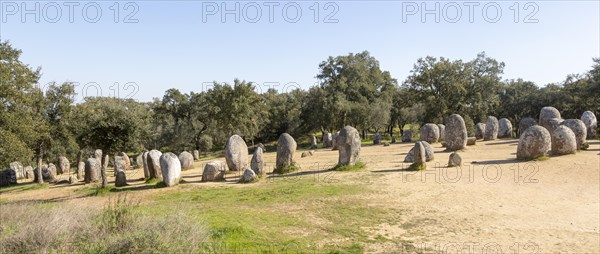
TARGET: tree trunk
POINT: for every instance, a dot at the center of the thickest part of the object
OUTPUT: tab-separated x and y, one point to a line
103	171
40	176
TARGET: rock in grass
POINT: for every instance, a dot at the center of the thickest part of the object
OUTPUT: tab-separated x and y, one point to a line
257	163
547	113
248	176
187	160
214	171
92	170
563	141
153	161
491	128
286	148
504	128
479	130
454	160
591	123
430	133
170	168
429	155
525	123
533	143
236	153
456	133
349	146
121	179
578	127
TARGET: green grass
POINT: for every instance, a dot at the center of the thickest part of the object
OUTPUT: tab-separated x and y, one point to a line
287	169
240	218
153	181
417	167
543	158
358	166
96	190
23	187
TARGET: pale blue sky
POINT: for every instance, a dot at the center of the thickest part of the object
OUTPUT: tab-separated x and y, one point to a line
171	45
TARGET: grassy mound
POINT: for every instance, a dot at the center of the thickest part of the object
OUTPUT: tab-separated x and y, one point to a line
287	169
358	166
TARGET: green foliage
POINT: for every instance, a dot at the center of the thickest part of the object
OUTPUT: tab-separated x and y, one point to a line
287	169
206	143
357	166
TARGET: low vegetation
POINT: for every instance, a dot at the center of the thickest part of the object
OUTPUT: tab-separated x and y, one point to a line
358	166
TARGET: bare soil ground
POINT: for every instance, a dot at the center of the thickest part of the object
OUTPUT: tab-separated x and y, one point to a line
492	204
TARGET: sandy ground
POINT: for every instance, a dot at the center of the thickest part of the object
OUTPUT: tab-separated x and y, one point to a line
492	204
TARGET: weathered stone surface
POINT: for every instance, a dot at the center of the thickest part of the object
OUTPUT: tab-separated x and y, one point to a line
8	177
349	146
286	147
261	147
145	165
105	161
534	143
471	141
170	168
525	123
442	129
454	160
139	161
429	155
552	123
18	168
491	128
334	143
187	160
248	176
28	172
119	163
563	141
153	161
327	140
479	130
306	154
196	155
121	179
456	133
92	170
313	143
214	171
591	123
430	133
578	127
376	139
127	160
52	170
257	163
98	154
80	170
419	156
547	113
407	136
504	128
236	153
72	179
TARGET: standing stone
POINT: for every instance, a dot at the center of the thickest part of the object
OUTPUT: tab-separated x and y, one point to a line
286	147
327	140
236	153
407	136
120	164
563	141
479	130
98	154
442	132
546	114
525	123
313	143
64	166
456	133
419	157
491	128
393	140
47	174
552	123
28	172
170	168
18	168
261	147
154	169
248	176
471	141
92	170
454	160
52	170
257	164
72	179
334	144
214	171
121	179
591	123
430	133
196	155
578	127
127	160
145	165
349	146
80	170
187	160
139	161
8	177
306	154
504	128
533	143
429	155
376	139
